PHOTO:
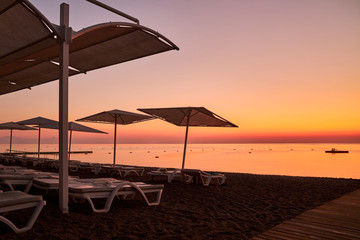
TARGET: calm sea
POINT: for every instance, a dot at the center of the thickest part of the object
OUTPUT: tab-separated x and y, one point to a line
279	159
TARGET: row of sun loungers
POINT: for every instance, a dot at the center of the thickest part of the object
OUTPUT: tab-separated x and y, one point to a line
190	176
87	189
83	189
77	166
12	200
122	171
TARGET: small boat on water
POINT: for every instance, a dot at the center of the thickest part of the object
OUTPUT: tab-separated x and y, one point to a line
333	150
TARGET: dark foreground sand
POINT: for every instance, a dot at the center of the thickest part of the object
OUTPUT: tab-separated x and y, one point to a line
247	205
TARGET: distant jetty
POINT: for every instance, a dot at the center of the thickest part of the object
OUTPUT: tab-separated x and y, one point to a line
16	152
333	150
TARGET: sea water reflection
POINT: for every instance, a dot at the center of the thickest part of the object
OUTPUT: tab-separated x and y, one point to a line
279	159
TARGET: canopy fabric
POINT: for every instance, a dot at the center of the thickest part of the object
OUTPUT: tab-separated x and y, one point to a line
197	116
37	121
29	50
72	126
118	116
14	125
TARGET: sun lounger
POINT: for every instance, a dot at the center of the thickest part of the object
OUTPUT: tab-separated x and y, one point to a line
123	171
10	159
205	177
106	188
108	191
93	167
18	171
11	201
23	178
74	165
169	174
11	168
53	183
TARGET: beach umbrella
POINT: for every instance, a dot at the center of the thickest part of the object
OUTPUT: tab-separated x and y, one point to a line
34	51
13	126
38	122
116	117
72	126
188	116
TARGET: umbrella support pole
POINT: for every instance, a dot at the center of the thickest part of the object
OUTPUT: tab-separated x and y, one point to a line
70	144
10	140
185	144
64	108
115	140
39	143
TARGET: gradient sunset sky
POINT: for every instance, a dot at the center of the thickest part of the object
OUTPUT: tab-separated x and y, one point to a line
282	70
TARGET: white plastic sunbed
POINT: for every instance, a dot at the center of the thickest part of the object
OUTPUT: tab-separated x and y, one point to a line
11	168
106	188
16	200
23	178
53	183
169	174
205	177
89	191
123	171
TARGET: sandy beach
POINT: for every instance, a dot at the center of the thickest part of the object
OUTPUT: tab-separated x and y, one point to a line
254	89
245	206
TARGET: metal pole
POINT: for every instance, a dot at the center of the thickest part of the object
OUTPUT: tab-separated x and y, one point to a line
115	140
70	143
186	137
10	140
63	108
39	143
111	9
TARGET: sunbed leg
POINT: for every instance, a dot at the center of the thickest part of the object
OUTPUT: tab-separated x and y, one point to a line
28	186
103	210
31	221
158	198
10	186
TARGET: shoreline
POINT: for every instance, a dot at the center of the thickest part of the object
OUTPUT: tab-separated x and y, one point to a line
247	205
277	159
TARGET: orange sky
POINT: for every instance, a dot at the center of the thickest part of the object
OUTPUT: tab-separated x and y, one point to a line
282	70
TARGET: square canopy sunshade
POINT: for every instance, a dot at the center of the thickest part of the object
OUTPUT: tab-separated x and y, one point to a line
29	46
13	126
37	122
188	116
116	117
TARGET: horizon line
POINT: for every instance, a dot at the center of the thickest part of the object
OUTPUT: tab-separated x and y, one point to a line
181	143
